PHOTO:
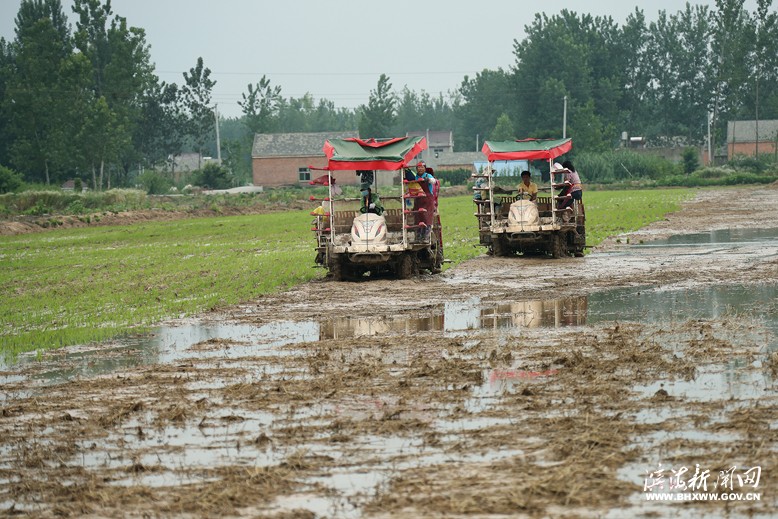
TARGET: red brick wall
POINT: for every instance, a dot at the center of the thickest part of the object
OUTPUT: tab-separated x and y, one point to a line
284	171
749	148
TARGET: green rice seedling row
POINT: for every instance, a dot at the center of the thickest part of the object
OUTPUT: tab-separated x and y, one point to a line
75	286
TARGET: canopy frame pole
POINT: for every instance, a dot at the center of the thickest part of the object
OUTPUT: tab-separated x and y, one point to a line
491	194
332	207
402	206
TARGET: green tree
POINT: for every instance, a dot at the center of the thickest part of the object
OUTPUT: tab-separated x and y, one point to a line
691	160
294	114
636	114
160	129
260	106
10	180
551	102
38	97
560	40
154	183
122	80
730	47
682	78
763	102
588	130
503	130
102	138
377	118
6	73
213	176
326	117
408	115
480	101
196	91
422	112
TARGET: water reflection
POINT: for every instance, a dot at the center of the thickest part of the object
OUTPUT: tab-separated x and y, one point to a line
169	344
718	237
472	314
645	304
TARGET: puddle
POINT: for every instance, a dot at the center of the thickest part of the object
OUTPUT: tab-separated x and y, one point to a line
228	434
499	382
234	341
714	383
733	237
646	304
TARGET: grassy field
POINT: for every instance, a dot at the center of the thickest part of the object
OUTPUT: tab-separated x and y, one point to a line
74	286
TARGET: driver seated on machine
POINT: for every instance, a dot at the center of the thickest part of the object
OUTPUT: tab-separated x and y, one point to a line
528	186
371	203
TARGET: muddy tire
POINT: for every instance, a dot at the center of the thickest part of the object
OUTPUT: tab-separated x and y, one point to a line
437	254
406	267
336	270
580	241
558	246
499	247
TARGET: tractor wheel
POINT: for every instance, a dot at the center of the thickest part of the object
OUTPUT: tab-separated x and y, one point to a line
342	270
407	266
558	246
580	241
436	252
499	247
336	270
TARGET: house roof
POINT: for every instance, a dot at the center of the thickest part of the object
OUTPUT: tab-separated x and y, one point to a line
458	158
434	137
745	131
294	144
187	161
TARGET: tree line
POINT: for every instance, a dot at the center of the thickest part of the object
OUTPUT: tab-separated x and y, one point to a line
84	101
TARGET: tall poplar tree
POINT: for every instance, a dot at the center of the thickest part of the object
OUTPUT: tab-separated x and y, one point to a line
377	118
196	94
45	81
122	78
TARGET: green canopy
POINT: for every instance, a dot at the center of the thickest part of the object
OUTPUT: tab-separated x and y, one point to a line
372	154
527	149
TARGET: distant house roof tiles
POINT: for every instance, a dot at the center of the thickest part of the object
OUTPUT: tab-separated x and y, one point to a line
458	158
746	131
435	137
294	144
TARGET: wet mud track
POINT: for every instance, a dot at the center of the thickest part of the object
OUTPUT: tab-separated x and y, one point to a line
528	387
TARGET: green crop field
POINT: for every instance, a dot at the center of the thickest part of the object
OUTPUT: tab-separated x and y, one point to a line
74	286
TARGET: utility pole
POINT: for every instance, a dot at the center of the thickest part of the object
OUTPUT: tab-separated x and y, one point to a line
218	142
428	146
756	128
710	149
564	120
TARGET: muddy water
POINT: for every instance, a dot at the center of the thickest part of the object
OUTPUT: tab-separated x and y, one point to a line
171	344
463	424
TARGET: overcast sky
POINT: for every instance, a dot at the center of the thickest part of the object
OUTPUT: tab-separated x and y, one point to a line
337	49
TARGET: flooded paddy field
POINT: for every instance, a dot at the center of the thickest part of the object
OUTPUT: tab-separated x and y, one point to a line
638	381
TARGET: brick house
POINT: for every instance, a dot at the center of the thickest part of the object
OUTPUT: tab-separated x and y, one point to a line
284	159
440	154
748	137
438	143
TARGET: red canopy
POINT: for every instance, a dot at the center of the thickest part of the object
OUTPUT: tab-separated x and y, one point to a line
527	149
373	154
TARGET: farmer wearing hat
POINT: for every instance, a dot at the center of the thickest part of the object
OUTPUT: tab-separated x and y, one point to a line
420	185
528	186
573	189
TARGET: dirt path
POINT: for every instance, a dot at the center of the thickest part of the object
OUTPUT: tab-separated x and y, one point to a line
490	390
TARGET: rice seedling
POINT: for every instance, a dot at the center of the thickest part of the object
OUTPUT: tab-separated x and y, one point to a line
75	286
